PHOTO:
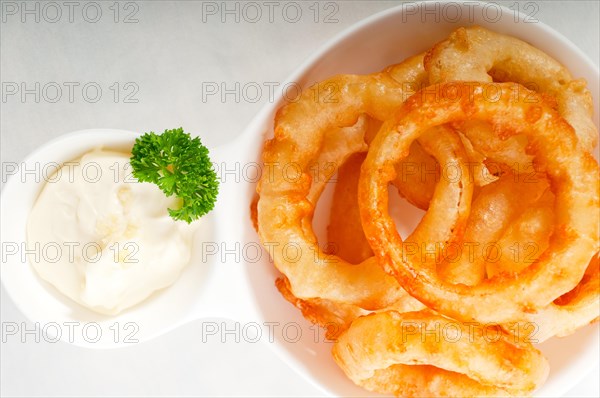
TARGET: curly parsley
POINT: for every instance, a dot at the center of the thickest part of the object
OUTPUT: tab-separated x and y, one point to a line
180	166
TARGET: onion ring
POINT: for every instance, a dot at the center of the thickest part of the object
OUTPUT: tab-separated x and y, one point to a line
526	238
424	354
345	235
419	173
284	210
492	211
496	57
446	218
569	312
446	146
417	176
573	176
524	241
285	206
577	308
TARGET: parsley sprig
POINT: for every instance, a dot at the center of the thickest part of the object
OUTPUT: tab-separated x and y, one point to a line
180	166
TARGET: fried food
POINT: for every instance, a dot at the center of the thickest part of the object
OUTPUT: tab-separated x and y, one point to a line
501	58
528	234
284	209
417	176
447	214
495	164
454	194
571	311
345	235
573	176
286	204
492	212
418	354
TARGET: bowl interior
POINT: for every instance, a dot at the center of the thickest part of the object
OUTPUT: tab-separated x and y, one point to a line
381	40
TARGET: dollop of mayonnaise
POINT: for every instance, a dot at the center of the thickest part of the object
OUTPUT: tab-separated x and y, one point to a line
104	239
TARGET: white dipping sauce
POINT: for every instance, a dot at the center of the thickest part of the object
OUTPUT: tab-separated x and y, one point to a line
115	240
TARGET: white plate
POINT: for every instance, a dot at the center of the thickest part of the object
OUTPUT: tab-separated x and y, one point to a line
222	285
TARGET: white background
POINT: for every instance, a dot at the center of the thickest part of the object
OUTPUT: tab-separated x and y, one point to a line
169	55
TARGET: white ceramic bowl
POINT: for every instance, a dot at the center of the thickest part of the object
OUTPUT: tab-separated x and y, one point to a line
387	38
221	285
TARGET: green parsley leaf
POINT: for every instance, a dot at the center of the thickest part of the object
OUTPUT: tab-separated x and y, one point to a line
180	166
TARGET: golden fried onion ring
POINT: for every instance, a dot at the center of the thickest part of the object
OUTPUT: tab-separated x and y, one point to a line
577	308
525	240
573	176
417	176
496	57
418	354
450	203
286	205
493	210
528	234
284	210
345	235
